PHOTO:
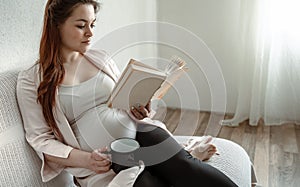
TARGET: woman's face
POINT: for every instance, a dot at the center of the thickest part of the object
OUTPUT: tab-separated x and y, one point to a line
77	30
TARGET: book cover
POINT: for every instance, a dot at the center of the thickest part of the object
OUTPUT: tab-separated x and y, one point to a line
139	83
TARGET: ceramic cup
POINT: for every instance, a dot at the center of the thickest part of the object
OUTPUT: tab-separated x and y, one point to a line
123	151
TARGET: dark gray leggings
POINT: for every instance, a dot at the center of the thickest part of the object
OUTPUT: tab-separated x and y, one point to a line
168	164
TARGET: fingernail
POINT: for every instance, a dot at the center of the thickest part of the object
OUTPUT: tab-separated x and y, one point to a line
137	105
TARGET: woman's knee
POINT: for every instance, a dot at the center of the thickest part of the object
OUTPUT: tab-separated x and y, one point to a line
156	145
148	135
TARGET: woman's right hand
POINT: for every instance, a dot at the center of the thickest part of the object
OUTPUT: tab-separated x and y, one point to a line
99	162
140	112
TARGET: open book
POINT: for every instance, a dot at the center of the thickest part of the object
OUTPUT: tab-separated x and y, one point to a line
139	83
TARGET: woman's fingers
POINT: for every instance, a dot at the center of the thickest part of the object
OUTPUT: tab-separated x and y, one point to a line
143	111
148	106
100	162
136	113
102	166
99	154
139	112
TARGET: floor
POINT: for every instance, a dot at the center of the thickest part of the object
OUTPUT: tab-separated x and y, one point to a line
274	150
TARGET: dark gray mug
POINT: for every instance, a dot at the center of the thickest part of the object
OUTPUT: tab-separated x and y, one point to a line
123	151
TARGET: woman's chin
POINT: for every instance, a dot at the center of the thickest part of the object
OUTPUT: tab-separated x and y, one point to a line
84	49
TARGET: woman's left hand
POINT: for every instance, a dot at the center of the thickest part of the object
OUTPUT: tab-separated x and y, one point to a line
140	112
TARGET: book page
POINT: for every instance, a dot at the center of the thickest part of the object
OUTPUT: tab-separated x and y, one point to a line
168	83
175	69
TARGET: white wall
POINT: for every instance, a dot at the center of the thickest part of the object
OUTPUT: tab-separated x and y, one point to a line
21	27
213	21
20	31
116	29
216	23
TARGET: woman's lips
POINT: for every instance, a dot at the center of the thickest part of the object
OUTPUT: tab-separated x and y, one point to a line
86	42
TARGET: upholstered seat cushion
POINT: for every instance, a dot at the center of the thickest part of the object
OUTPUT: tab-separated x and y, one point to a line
232	160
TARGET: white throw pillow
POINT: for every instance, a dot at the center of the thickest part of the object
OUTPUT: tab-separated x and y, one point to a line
127	177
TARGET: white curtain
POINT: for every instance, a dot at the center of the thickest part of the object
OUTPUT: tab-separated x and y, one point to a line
269	65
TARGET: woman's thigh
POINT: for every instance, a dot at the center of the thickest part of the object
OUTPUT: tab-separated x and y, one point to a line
147	179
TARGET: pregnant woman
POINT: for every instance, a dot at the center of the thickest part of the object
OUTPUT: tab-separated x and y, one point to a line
62	100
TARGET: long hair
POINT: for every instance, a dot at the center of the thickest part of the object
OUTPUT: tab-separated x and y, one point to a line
50	57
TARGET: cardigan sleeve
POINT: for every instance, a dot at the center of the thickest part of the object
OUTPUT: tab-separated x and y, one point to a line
38	134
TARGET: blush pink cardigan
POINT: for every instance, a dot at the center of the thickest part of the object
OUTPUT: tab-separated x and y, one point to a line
38	133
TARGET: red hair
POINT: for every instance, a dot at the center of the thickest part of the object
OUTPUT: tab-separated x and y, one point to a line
50	58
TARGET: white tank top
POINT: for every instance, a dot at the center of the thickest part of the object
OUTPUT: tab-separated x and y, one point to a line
94	124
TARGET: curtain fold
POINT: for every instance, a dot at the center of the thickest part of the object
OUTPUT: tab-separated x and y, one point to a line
269	63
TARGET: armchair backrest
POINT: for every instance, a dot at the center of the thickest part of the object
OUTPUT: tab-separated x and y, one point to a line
20	165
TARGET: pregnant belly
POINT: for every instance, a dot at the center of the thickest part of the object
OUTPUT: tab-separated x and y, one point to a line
99	126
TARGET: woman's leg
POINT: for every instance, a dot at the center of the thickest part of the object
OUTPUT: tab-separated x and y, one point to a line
146	179
164	157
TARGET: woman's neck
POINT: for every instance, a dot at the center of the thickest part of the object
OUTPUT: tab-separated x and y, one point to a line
70	57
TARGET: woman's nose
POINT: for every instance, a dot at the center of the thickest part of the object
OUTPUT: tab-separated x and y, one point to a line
89	32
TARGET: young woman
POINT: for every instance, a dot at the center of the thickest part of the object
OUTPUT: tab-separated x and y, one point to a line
63	97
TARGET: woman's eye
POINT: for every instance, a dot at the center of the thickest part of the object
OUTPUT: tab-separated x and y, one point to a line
93	26
80	27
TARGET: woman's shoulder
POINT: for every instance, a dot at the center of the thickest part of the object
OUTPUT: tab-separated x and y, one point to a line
99	53
30	74
99	56
103	61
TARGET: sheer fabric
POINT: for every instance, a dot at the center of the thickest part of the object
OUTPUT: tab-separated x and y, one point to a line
269	63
